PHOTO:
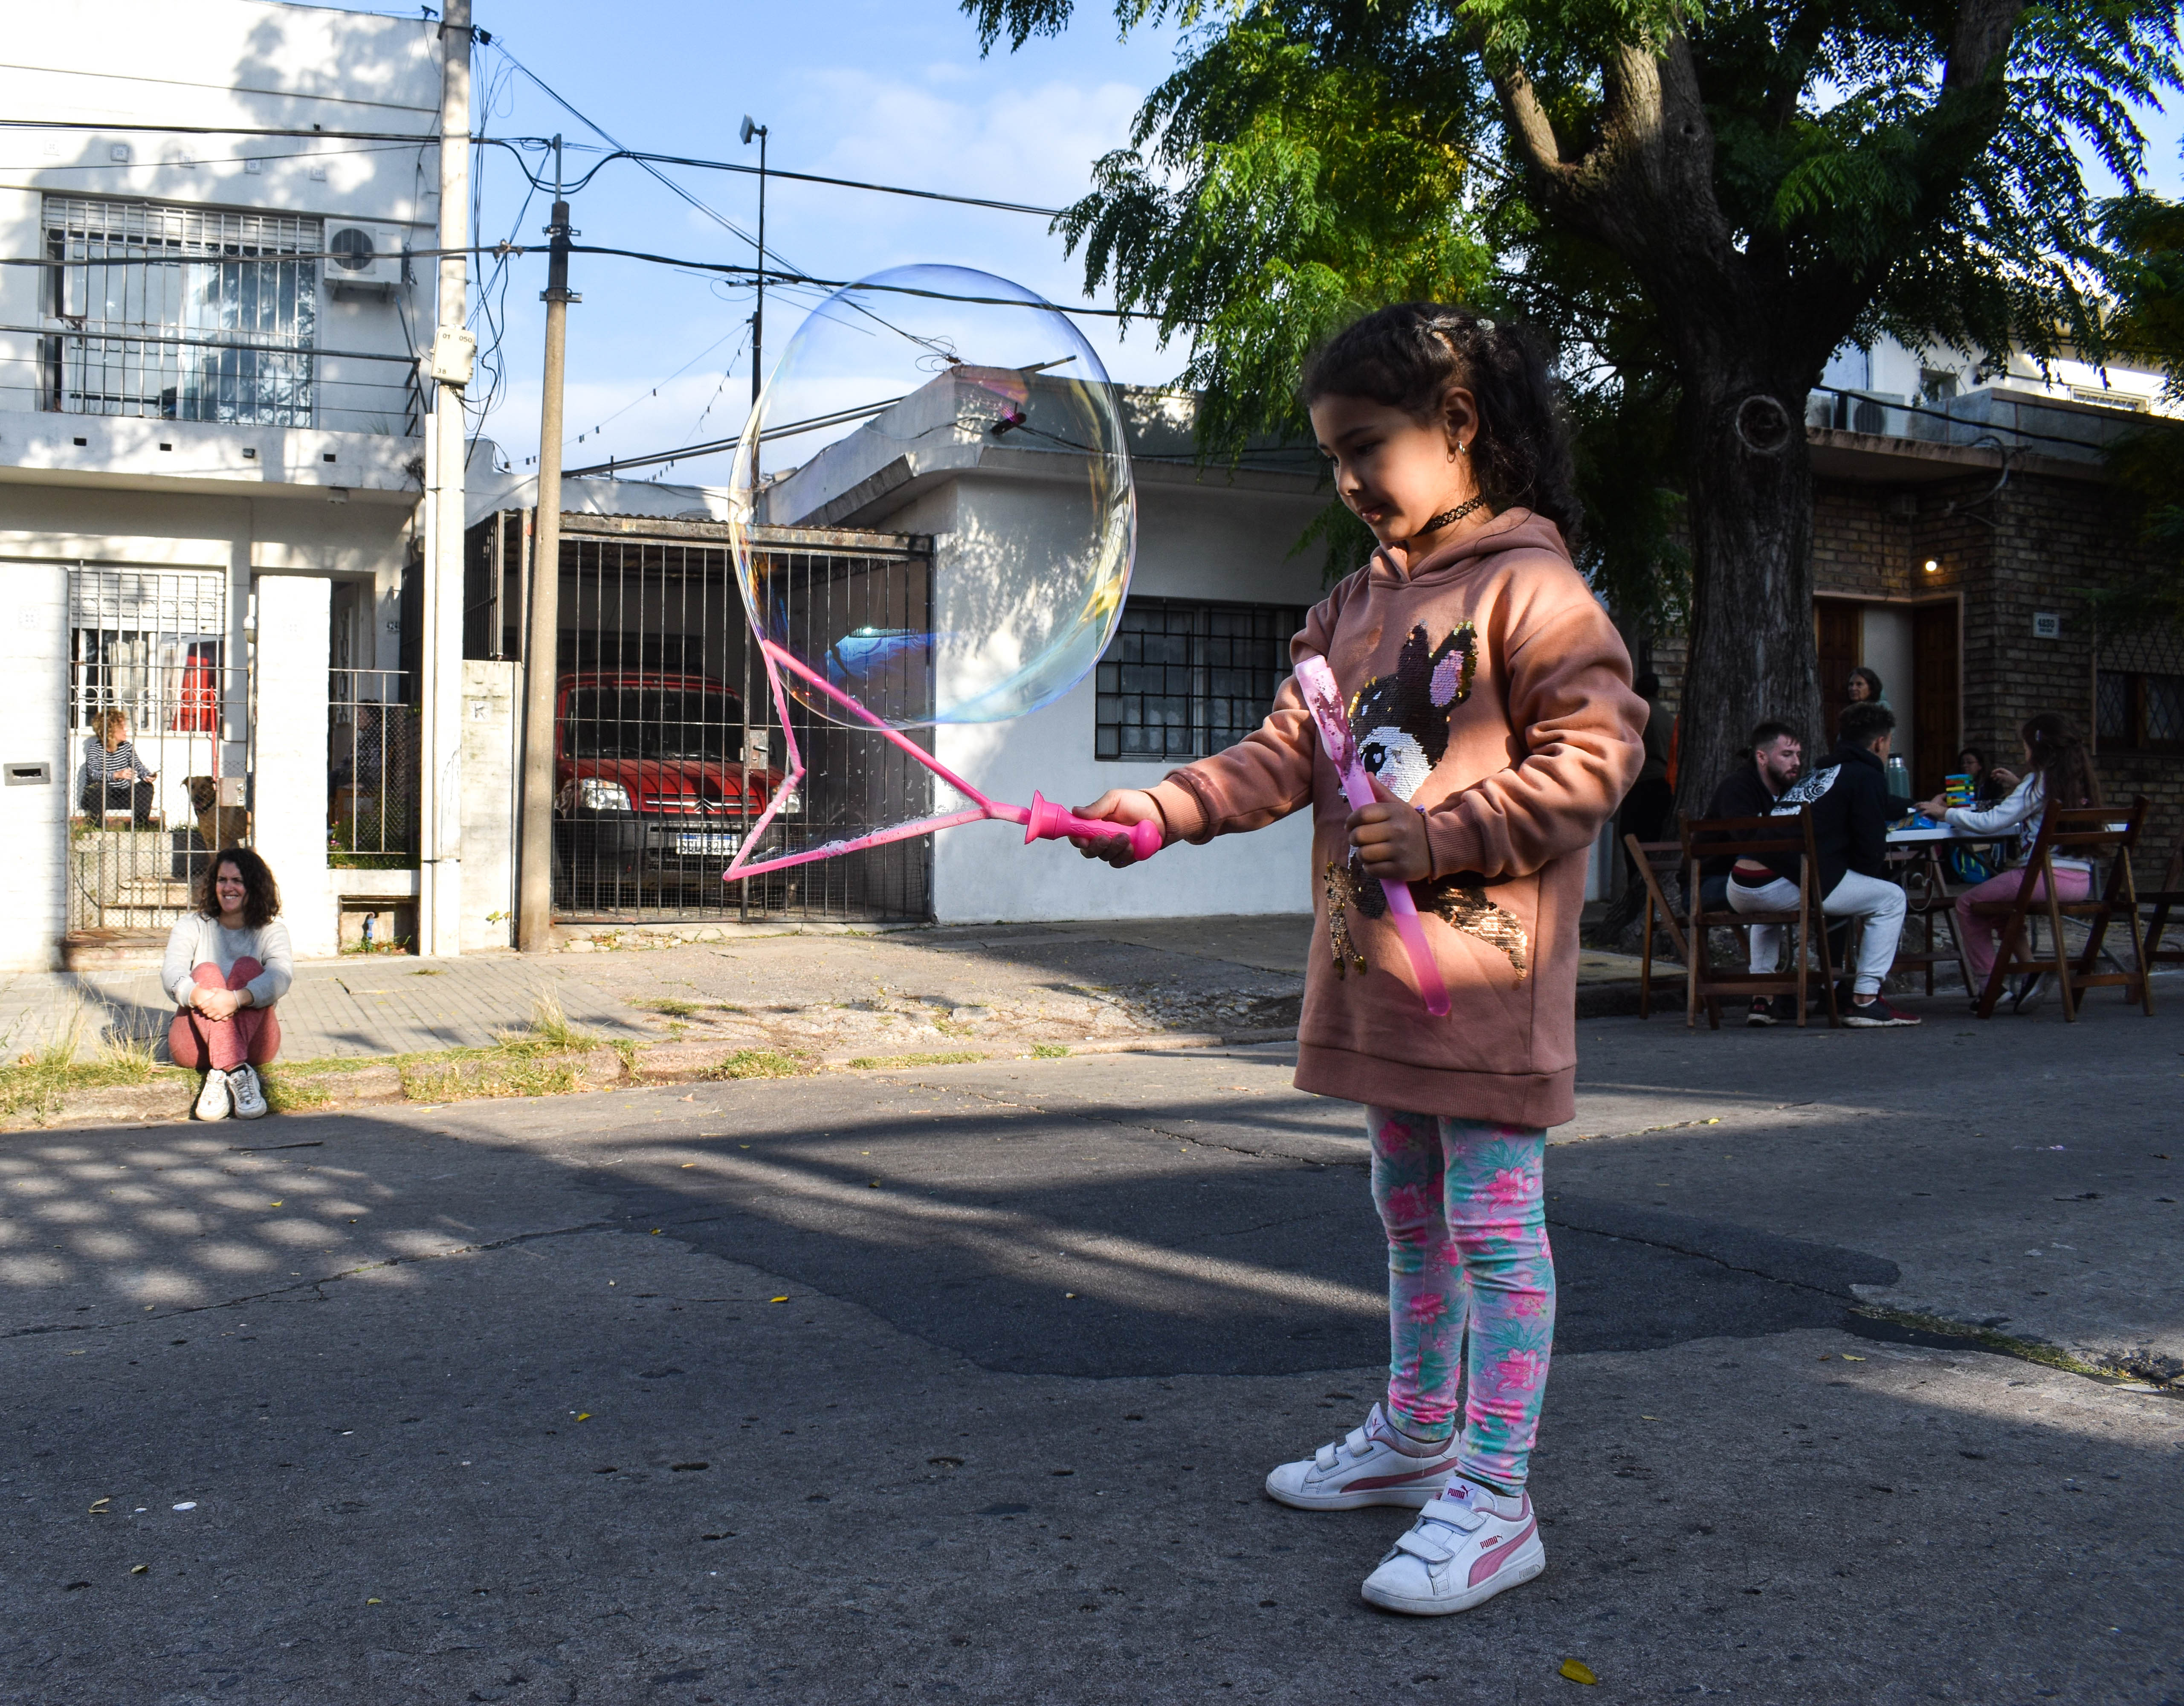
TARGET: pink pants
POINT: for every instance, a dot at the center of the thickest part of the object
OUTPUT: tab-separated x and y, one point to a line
253	1035
1982	937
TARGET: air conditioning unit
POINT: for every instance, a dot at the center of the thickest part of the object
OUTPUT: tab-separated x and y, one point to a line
366	259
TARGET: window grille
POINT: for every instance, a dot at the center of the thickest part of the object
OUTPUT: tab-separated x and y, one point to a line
2138	690
1183	678
148	642
2140	711
2105	398
181	313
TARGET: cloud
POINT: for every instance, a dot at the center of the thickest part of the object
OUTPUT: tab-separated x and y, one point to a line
1035	143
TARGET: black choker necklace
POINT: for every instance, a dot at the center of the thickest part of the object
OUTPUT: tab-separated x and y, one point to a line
1449	517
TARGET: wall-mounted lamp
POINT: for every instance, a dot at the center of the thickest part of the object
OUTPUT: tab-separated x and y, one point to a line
1932	566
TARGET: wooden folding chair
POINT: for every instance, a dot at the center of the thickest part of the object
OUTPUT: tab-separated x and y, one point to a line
1655	860
2081	832
2167	899
1754	838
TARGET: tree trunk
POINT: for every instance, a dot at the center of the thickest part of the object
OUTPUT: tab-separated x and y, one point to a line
1750	504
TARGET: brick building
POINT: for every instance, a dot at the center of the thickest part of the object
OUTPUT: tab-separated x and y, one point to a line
1957	548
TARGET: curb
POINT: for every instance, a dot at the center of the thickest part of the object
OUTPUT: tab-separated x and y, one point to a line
335	1087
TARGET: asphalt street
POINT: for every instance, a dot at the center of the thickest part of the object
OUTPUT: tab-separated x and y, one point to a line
961	1383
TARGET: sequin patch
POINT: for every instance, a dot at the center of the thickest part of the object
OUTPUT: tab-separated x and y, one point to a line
1466	908
1341	895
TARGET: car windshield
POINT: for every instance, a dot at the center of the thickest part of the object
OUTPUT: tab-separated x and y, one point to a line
653	722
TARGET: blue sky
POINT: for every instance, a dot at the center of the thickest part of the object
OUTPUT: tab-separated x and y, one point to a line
892	90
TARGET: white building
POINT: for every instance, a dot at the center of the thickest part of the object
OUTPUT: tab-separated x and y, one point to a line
1216	591
212	448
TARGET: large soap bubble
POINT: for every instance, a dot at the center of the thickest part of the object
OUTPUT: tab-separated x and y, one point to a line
943	401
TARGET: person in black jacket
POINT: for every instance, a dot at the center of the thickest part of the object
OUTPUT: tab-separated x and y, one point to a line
1848	794
1750	790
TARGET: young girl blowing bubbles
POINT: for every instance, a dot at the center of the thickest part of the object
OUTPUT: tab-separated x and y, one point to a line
1490	697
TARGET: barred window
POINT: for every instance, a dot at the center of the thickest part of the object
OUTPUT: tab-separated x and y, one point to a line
2140	711
181	313
1183	678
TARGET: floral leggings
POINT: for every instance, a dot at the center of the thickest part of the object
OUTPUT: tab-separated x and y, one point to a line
1467	1246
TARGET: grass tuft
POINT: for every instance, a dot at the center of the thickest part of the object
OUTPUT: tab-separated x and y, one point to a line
550	1031
887	1062
760	1063
674	1010
287	1093
488	1073
1049	1052
38	1079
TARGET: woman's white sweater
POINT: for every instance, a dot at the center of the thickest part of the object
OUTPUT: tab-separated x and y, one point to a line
197	940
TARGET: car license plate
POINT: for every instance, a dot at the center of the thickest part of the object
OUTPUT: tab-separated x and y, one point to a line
707	842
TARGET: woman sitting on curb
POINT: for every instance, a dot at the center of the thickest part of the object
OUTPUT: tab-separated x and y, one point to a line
228	964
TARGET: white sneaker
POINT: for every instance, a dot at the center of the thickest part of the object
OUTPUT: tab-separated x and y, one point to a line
1363	1469
249	1094
214	1101
1460	1552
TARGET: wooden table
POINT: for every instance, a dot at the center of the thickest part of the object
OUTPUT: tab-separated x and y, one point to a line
1926	889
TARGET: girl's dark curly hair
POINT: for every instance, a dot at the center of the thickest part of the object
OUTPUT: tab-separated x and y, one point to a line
1409	356
261	895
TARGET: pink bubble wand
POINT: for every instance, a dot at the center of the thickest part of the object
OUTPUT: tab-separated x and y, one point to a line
1323	699
1043	819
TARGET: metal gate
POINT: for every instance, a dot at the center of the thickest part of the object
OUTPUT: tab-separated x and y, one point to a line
154	788
668	745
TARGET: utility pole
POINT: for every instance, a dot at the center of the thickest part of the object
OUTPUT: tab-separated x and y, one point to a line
534	885
758	309
440	654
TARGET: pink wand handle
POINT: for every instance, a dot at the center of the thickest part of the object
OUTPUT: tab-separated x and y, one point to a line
1323	699
1047	822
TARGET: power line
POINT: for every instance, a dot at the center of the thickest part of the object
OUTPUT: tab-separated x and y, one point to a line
734	269
430	137
674	188
839	183
788	429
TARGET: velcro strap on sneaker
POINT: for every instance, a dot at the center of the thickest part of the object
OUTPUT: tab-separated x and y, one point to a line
1324	1457
1421	1543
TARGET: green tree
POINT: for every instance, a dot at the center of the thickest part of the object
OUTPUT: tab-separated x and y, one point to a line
2147	274
1702	202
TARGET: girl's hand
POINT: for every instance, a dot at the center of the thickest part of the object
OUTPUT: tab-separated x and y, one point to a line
1122	806
1390	840
2005	778
1937	808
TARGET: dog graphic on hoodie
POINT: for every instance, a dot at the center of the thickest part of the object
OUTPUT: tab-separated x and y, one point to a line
1399	722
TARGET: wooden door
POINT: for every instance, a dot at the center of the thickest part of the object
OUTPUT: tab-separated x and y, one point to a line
1837	625
1938	735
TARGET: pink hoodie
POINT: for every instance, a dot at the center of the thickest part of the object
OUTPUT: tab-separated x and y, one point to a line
1487	687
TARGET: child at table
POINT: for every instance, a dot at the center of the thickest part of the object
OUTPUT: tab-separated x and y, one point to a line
2056	768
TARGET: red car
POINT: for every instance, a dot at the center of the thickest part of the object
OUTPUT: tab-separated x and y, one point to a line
648	781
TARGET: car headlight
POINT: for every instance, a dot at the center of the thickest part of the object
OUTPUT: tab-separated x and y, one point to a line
597	794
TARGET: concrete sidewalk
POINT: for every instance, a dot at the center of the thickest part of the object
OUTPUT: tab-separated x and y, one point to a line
823	995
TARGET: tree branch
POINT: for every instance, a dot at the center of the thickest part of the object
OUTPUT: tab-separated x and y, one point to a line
1529	127
1983	34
